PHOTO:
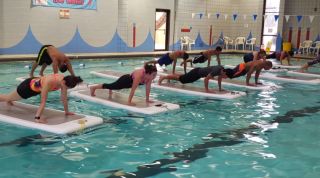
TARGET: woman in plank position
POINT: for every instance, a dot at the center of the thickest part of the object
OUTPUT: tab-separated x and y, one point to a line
42	86
138	77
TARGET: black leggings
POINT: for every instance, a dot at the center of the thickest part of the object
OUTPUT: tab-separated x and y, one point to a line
124	81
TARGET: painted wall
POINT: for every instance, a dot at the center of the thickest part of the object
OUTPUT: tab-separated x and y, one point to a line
110	28
304	8
242	26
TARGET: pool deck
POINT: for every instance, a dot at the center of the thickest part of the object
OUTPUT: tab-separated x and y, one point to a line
29	57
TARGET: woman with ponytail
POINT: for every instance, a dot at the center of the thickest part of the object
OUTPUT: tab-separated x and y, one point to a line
42	86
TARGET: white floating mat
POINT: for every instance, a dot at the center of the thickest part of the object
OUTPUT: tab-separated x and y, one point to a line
292	79
273	69
119	100
58	123
81	86
108	74
310	74
242	84
192	90
236	83
286	66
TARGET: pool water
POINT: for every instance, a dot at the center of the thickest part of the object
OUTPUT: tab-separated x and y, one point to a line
264	134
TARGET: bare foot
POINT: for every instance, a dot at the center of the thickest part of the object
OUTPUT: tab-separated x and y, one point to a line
42	121
9	103
160	79
92	90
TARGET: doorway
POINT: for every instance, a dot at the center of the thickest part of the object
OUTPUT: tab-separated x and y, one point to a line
162	28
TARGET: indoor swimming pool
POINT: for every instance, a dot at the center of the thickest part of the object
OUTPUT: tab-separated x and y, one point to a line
268	133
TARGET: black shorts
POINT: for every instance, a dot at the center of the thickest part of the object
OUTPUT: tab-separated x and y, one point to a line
272	56
191	76
124	81
199	59
24	89
315	61
43	56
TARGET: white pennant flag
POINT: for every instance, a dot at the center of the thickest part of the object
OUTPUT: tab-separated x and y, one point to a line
209	15
192	15
244	16
225	16
287	17
311	17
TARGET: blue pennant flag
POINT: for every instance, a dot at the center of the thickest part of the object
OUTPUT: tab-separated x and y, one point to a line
276	17
299	17
200	15
254	17
234	17
218	15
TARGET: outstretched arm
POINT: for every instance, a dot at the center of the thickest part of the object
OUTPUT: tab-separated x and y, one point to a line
148	89
44	95
184	63
174	66
257	76
55	65
69	66
218	59
135	84
64	100
34	66
251	70
206	82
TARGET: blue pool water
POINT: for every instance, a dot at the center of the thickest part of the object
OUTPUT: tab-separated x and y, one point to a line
205	138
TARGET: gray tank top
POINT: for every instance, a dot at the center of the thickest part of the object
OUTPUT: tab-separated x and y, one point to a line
212	70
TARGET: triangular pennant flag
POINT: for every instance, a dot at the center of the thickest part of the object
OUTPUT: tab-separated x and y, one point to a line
254	17
244	16
209	15
192	15
235	17
311	17
276	17
299	17
218	15
200	15
225	16
287	17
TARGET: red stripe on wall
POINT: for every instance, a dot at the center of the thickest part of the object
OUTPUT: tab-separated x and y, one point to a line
134	36
298	37
210	36
290	34
185	30
308	34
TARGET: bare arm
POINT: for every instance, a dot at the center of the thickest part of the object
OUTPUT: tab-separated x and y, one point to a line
257	76
69	66
55	65
218	59
174	65
64	99
251	70
135	84
44	95
34	66
148	89
255	56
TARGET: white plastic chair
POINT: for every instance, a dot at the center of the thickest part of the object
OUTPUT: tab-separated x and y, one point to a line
190	42
315	49
227	41
184	43
239	41
305	46
251	43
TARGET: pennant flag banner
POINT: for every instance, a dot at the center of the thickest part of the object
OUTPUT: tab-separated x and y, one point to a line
299	17
254	17
311	17
276	17
192	15
209	15
218	15
287	17
225	16
235	17
200	15
72	4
